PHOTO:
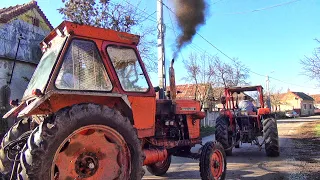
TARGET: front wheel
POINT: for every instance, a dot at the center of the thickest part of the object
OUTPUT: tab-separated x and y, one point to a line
213	164
85	141
160	168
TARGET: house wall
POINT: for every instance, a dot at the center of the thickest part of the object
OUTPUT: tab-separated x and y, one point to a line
307	108
290	102
22	74
29	52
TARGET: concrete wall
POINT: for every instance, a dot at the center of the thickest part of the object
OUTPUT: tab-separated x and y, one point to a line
21	74
29	52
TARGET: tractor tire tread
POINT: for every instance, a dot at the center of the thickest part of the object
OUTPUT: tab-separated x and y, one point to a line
221	133
205	158
38	153
13	133
270	133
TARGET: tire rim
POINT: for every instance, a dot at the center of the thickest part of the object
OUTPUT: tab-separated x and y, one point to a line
217	164
92	152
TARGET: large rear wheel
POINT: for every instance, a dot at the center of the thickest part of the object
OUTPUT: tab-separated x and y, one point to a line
213	164
270	133
222	134
85	141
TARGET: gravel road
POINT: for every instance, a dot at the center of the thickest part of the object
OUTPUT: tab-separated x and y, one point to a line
299	157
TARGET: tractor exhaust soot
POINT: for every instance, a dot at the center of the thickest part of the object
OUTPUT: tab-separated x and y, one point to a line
190	15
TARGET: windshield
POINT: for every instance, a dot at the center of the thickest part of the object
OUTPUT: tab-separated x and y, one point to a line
41	75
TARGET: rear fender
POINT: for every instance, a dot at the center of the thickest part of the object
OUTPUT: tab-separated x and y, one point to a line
53	102
229	114
13	113
263	111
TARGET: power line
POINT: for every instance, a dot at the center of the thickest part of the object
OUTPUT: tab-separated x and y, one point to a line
292	83
262	9
233	59
199	34
147	17
175	34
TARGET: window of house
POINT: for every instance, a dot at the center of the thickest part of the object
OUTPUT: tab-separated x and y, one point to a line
35	21
83	69
304	106
310	106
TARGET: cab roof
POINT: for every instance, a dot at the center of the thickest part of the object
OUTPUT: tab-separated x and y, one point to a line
244	88
92	32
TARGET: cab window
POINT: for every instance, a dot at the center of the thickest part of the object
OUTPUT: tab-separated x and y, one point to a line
83	69
128	68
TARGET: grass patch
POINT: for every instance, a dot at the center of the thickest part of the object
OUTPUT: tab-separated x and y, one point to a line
317	130
206	131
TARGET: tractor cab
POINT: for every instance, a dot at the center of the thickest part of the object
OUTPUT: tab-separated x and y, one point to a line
85	64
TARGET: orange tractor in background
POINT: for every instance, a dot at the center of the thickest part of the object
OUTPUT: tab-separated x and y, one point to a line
237	125
90	112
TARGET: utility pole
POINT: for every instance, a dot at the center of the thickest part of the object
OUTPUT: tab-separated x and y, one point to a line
268	92
161	55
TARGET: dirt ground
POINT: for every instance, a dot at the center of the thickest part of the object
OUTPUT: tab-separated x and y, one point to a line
299	157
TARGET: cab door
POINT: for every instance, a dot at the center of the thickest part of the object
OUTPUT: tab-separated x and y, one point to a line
133	80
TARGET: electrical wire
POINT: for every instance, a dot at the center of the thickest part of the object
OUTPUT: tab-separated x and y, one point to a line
233	59
261	9
149	17
175	34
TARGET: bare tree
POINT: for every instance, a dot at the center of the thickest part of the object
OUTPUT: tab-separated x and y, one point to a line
276	99
210	71
311	64
117	16
200	71
229	75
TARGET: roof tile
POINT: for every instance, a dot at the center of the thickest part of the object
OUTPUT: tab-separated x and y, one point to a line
6	14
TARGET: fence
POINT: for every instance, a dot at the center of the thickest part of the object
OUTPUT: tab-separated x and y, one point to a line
210	119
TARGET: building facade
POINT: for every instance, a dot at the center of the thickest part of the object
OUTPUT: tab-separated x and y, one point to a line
22	28
298	101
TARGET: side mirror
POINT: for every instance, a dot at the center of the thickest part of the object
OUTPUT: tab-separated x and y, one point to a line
223	100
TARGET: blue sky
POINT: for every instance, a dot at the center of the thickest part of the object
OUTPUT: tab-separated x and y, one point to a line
270	41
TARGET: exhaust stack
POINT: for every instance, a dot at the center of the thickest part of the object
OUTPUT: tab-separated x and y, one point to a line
173	89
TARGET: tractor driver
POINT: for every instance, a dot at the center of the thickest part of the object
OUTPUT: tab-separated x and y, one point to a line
247	105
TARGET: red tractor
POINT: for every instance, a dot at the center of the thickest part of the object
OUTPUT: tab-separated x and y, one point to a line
90	112
237	125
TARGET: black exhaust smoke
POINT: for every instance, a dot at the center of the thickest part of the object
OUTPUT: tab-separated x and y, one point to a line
190	15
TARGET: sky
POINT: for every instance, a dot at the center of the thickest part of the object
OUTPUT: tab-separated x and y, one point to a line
269	39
